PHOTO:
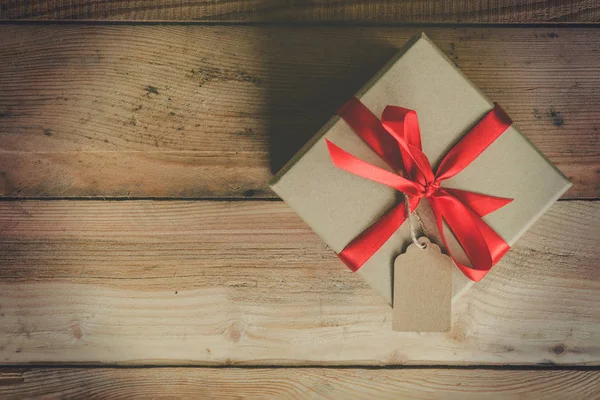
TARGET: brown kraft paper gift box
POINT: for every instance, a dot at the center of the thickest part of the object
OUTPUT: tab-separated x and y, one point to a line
338	205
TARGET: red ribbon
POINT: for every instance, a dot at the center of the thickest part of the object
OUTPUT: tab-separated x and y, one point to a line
397	140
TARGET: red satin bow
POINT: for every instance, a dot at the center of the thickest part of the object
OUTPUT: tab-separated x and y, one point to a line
397	140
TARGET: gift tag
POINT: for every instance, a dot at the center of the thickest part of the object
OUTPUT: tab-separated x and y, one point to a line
422	289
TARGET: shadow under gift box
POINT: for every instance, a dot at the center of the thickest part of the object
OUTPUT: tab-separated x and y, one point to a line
339	206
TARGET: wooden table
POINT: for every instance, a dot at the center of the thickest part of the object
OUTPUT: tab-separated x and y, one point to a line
137	229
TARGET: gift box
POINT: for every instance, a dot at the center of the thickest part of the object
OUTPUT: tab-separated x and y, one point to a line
341	206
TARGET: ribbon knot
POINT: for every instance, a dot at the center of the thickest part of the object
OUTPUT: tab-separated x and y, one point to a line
430	189
396	138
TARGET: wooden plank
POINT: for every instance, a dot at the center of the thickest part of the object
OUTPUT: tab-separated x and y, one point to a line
365	11
196	112
245	283
294	383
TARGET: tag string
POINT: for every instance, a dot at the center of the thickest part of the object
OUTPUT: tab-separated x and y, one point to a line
412	217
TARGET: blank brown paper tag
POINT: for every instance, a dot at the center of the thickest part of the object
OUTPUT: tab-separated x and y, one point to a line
422	290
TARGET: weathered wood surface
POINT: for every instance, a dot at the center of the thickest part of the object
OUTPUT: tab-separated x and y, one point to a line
195	112
297	383
247	283
365	11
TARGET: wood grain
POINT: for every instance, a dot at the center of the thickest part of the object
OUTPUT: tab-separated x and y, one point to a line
197	112
293	383
247	283
365	11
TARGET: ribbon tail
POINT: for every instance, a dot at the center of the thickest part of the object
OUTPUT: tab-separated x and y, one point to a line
346	161
481	244
498	247
362	248
481	204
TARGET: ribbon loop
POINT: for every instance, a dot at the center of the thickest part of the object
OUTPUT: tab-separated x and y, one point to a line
403	125
397	140
361	119
348	162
